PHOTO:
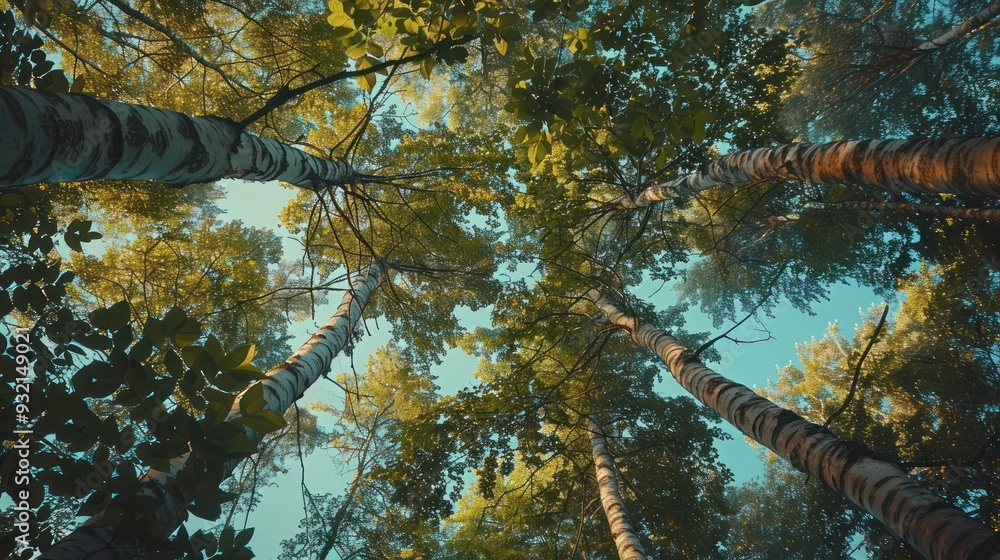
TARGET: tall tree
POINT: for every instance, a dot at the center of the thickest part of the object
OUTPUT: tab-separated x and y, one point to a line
928	523
257	408
964	166
622	532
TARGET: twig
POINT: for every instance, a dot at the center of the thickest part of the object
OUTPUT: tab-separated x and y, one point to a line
286	94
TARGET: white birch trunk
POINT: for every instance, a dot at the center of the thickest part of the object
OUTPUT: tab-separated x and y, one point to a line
967	26
95	539
626	540
50	137
969	166
935	528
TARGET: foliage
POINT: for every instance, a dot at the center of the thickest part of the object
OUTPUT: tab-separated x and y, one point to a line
537	122
848	89
924	397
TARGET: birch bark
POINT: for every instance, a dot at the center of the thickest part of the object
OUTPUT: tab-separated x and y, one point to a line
987	214
622	531
50	137
957	33
96	539
969	166
935	528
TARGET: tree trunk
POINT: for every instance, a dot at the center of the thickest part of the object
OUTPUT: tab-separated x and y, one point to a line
49	137
96	540
932	526
622	531
987	214
969	166
957	33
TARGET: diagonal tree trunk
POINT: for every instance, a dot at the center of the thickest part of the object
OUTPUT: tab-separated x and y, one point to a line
49	137
96	539
622	531
935	528
955	34
987	214
969	166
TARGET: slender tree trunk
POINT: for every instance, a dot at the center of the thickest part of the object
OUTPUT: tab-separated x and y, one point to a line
969	166
935	528
49	137
96	539
957	33
622	531
987	214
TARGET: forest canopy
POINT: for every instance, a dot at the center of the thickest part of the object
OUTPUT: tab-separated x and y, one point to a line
531	242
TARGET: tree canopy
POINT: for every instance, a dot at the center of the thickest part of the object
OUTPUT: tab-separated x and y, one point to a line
502	180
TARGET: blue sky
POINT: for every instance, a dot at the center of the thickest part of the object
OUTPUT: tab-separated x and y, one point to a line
754	365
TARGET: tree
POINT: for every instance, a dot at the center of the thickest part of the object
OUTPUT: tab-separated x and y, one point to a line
845	91
257	409
955	166
931	525
890	400
611	498
132	142
604	101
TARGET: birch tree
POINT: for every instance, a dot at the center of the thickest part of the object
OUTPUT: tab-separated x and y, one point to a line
629	547
958	33
933	527
260	404
122	141
963	166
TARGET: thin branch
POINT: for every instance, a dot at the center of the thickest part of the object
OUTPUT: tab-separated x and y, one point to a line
285	94
857	370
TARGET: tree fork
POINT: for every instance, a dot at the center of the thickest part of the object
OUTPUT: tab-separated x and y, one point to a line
935	528
52	137
96	539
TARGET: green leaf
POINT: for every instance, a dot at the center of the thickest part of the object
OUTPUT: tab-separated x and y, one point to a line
215	350
375	50
229	382
243	538
190	354
501	44
240	357
355	52
263	422
426	66
340	19
173	320
156	331
187	333
252	400
411	26
219	402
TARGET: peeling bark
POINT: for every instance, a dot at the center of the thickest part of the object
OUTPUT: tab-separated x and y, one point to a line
51	137
969	166
935	528
958	212
622	531
96	539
